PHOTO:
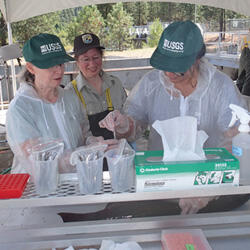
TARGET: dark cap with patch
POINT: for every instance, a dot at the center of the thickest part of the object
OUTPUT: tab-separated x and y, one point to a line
85	42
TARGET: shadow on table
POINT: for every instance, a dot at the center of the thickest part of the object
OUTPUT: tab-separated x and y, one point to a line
137	209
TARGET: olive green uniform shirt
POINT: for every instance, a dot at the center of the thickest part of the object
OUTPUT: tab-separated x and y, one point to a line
96	103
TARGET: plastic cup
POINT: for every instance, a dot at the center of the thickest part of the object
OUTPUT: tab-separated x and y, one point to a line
121	169
90	175
45	176
44	164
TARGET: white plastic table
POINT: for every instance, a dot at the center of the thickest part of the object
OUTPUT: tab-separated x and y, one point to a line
224	59
225	230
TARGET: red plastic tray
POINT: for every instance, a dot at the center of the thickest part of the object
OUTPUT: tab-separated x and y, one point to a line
12	185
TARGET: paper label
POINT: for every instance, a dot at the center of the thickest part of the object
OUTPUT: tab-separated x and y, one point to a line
180	181
237	151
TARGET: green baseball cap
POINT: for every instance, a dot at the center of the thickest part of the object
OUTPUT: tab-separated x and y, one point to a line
45	51
179	45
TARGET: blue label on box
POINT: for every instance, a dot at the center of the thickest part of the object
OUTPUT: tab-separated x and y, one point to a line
237	151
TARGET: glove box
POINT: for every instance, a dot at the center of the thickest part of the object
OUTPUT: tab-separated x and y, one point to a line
219	169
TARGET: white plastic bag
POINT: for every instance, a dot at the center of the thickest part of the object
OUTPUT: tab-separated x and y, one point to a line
111	245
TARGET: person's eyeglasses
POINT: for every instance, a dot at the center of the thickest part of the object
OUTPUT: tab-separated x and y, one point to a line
88	59
179	73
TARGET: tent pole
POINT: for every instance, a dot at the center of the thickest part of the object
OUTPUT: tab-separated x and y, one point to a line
13	71
195	13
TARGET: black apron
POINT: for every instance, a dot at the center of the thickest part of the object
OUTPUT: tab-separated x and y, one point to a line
97	131
95	128
96	118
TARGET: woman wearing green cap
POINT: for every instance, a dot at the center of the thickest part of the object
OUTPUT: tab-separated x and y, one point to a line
183	83
41	108
41	112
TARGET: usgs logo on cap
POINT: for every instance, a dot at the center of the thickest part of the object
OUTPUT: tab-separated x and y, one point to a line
50	48
173	46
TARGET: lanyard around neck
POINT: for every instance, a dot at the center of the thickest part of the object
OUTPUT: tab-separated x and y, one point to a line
79	94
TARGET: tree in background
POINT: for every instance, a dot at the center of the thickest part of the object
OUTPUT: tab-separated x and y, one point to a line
167	12
153	10
185	12
105	9
118	24
215	18
24	30
155	30
67	15
206	14
98	19
89	19
3	31
138	11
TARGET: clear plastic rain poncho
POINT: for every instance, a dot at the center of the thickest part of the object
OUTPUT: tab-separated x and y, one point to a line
30	119
155	98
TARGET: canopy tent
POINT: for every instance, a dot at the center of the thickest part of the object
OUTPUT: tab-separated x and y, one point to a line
16	10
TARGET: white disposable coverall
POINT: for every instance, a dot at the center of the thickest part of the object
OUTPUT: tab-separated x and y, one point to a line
30	117
155	98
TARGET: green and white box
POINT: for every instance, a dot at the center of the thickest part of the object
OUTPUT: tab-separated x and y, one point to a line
219	169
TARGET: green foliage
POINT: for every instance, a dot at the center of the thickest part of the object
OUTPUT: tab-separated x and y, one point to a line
167	11
67	15
118	23
155	30
206	13
24	30
179	11
214	17
138	11
89	19
111	22
105	9
3	31
231	14
154	9
185	12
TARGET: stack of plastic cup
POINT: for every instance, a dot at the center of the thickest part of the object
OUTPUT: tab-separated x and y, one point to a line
121	169
44	171
46	176
89	165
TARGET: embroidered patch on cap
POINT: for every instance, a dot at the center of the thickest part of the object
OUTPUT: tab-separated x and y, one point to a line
87	39
45	51
178	48
52	47
173	46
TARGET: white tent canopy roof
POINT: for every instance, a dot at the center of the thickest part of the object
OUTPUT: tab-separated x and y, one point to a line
17	10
